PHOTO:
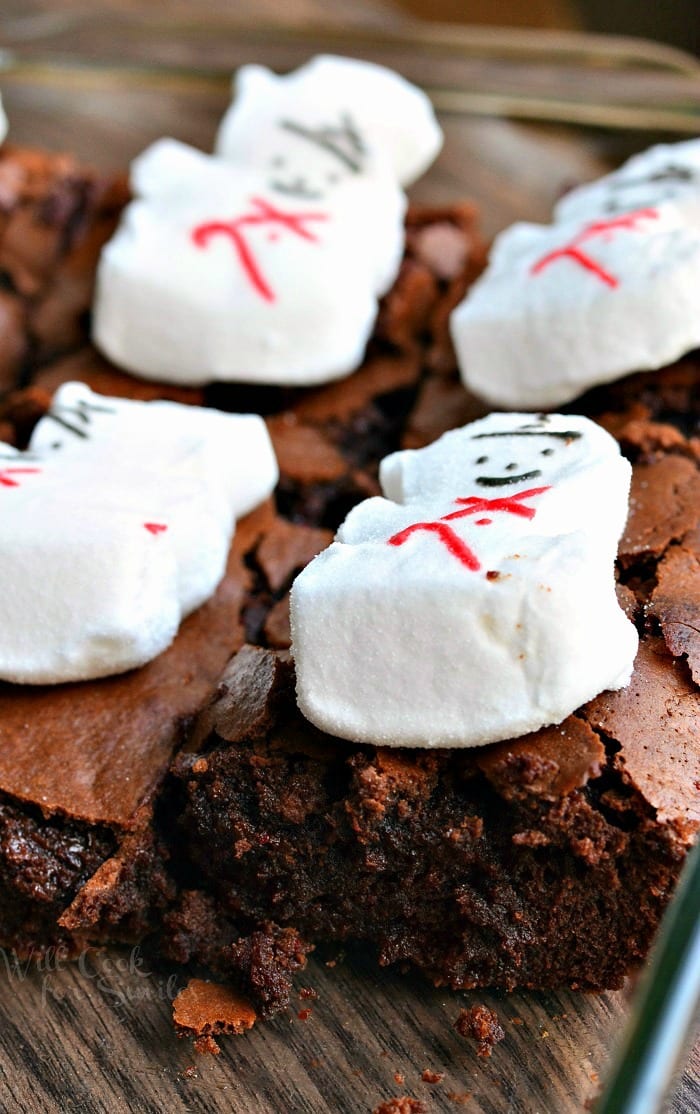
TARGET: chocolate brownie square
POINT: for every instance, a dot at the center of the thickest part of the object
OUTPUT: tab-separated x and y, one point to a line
538	862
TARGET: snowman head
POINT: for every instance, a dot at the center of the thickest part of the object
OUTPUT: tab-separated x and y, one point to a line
496	454
331	121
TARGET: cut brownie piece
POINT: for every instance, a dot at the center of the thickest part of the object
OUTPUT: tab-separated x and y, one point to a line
524	864
538	862
80	766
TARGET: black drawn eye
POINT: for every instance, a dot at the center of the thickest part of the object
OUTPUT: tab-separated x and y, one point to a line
481	460
511	467
547	452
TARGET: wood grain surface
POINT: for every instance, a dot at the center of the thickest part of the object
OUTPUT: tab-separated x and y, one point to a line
96	1036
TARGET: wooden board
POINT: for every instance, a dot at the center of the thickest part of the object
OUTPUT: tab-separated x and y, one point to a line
96	1036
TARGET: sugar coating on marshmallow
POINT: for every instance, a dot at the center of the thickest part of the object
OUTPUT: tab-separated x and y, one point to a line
3	122
564	307
667	172
266	266
116	523
476	600
336	112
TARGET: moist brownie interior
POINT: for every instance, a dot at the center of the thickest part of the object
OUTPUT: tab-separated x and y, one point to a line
538	862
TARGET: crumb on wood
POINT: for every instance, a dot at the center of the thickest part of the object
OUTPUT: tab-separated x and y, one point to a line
206	1046
480	1024
399	1079
307	993
204	1010
429	1076
402	1104
304	1015
189	1072
461	1098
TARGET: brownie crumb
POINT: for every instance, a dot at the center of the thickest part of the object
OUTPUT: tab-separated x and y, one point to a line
307	993
403	1104
399	1079
429	1076
207	1046
304	1015
203	1010
480	1024
461	1098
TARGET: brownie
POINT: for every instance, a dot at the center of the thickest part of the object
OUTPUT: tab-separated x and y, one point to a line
80	767
538	862
542	861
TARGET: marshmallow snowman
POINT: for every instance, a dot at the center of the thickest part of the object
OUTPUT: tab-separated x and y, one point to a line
564	307
667	172
337	112
266	266
116	524
476	600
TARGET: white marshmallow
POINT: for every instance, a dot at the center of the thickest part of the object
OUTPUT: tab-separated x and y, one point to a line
90	593
393	120
3	122
287	295
116	524
266	266
667	172
565	307
476	602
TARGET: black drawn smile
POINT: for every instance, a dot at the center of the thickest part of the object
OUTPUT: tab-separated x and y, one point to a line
503	481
